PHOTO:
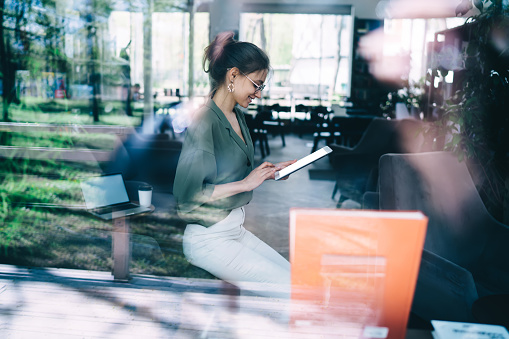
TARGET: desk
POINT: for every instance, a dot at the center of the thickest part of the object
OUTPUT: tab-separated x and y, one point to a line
121	245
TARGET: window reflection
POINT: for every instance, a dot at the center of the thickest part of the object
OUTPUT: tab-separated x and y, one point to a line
310	53
74	86
98	86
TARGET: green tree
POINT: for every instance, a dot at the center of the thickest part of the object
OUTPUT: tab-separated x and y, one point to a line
11	19
31	39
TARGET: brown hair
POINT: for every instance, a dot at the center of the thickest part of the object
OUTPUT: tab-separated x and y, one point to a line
225	52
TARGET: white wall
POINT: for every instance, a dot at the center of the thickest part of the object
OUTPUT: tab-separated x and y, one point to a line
225	14
366	9
363	8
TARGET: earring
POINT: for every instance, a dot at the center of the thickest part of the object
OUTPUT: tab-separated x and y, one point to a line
231	87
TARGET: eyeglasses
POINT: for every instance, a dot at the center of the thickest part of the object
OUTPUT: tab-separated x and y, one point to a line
258	87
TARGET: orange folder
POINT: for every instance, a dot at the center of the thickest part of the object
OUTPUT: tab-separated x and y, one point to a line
354	271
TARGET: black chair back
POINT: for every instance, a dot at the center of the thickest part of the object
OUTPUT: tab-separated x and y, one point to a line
149	158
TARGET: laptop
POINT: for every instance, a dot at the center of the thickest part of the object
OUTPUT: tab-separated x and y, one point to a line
106	197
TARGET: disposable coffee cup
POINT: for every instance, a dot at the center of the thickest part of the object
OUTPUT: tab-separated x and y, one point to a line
145	195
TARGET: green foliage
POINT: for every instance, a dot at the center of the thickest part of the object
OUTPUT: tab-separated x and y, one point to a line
77	112
411	93
36	227
170	5
476	116
35	234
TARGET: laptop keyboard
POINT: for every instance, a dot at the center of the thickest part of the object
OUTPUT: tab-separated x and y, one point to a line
110	209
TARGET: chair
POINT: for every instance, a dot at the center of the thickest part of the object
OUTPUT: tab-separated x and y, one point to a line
301	120
460	229
357	168
274	125
318	117
351	129
149	158
444	290
163	120
258	133
282	113
325	128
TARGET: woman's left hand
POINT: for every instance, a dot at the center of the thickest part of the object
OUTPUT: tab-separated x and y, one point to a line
281	165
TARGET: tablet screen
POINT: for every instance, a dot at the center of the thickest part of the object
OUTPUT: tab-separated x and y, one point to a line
303	162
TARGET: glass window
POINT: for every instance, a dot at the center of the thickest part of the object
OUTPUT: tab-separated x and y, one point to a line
201	40
413	36
74	78
170	49
310	53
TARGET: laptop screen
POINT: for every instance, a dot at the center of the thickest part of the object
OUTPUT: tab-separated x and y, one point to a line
104	191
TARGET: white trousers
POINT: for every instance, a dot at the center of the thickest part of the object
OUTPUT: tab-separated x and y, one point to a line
232	253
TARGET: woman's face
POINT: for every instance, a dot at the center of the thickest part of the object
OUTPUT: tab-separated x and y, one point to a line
246	89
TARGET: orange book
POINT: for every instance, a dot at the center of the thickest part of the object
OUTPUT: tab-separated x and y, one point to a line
354	271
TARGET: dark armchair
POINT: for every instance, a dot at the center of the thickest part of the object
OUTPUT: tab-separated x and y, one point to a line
149	158
357	167
460	230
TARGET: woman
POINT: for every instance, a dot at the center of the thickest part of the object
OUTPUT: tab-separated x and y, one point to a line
215	174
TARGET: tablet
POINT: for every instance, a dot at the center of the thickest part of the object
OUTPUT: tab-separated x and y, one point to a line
303	162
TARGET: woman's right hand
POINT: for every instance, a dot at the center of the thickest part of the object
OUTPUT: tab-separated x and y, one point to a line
259	175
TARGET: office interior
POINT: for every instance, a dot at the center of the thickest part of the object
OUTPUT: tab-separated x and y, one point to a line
409	95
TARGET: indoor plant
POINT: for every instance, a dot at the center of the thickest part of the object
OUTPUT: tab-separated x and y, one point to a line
476	117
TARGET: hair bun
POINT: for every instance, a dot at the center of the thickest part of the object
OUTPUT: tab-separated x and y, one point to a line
215	51
225	53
